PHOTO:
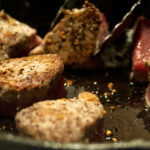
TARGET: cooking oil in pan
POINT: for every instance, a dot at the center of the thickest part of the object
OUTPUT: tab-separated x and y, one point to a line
126	116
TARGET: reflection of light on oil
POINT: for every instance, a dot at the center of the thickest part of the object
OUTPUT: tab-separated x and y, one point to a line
131	83
146	108
108	100
107	138
96	92
95	83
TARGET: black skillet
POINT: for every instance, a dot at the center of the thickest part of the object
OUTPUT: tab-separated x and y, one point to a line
130	119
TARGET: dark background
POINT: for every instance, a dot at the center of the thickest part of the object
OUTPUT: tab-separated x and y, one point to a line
39	14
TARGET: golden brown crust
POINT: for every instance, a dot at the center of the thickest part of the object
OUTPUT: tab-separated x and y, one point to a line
29	72
62	120
75	37
26	80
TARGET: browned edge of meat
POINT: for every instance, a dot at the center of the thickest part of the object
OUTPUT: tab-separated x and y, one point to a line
62	120
16	38
26	80
76	37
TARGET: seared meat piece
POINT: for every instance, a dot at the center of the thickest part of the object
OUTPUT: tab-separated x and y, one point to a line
62	120
76	37
141	51
26	80
16	38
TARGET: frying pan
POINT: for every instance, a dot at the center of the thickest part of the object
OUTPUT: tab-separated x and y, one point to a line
130	119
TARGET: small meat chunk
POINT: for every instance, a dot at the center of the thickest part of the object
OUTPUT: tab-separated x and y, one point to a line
16	38
76	37
26	80
62	120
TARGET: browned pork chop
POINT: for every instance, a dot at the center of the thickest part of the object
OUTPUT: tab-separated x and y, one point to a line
76	37
62	120
26	80
16	38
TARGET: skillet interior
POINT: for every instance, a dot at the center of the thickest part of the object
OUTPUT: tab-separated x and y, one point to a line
129	120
